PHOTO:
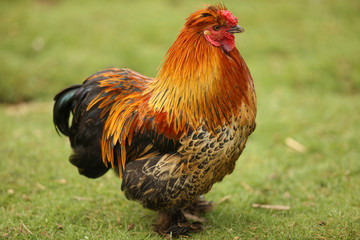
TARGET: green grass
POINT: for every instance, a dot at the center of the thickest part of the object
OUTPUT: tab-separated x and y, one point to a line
304	59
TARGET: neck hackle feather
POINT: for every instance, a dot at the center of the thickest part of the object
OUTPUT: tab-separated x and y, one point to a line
199	83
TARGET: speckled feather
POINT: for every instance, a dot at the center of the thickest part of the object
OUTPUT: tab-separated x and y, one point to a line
173	179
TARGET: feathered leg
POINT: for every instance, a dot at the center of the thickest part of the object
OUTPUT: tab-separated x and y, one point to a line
174	223
154	194
198	206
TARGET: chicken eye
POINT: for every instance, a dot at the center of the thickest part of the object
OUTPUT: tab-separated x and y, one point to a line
216	27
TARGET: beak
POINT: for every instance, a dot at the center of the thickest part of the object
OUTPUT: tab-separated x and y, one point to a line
236	29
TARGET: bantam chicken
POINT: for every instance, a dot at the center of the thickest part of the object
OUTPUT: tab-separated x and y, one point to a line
170	138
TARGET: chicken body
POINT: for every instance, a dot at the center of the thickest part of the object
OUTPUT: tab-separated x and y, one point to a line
172	137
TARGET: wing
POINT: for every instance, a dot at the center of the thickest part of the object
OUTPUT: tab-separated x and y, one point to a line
131	128
120	99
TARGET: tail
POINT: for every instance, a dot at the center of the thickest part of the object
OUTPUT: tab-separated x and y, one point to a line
62	108
84	138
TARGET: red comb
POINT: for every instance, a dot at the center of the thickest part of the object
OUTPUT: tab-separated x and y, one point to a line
232	20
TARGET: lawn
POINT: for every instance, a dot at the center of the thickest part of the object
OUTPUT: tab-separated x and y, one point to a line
304	58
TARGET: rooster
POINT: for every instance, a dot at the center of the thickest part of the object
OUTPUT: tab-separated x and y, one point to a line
170	138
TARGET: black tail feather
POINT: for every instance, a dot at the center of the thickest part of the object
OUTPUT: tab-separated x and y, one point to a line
62	109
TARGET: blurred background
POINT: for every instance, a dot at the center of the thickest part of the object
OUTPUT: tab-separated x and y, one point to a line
48	44
304	56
